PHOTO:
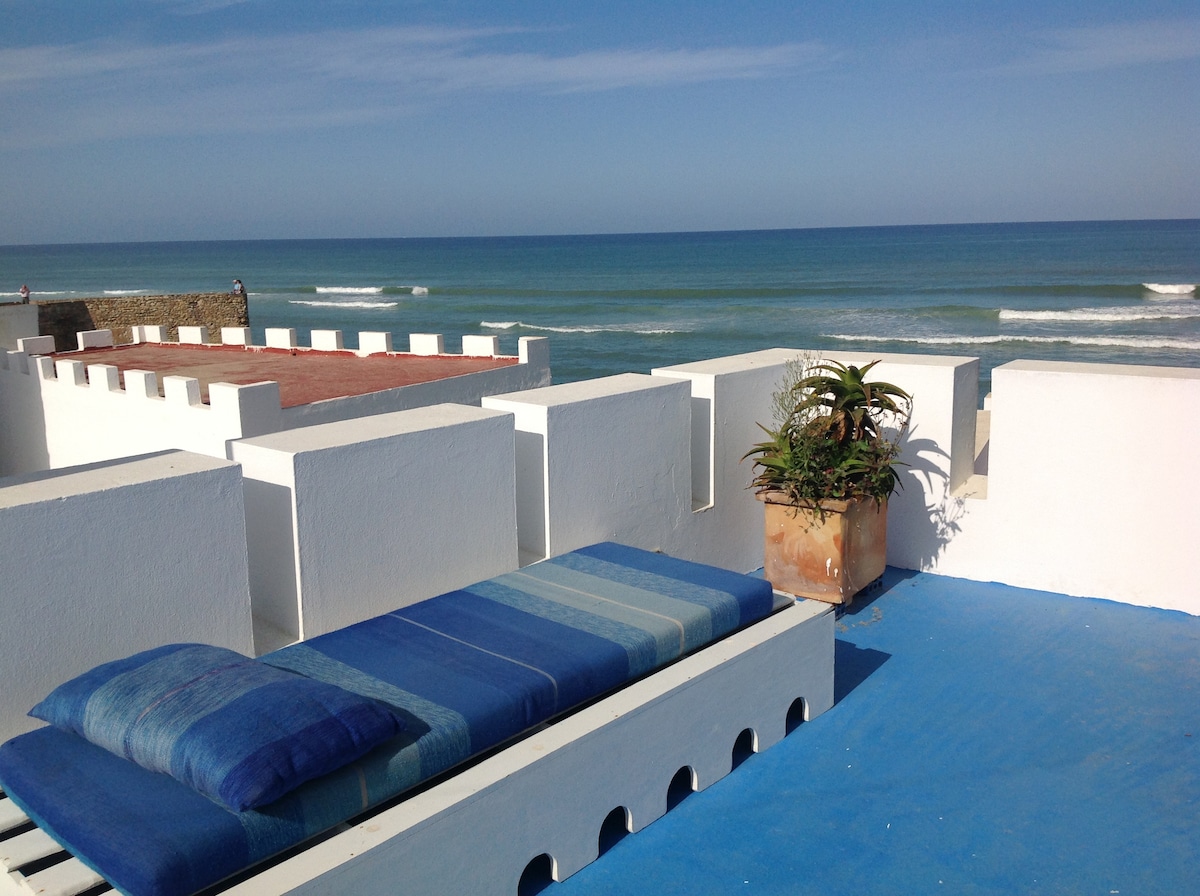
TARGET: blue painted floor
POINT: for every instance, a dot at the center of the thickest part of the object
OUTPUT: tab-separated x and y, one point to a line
984	739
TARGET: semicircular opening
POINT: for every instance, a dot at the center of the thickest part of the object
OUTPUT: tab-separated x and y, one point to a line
537	876
681	787
616	827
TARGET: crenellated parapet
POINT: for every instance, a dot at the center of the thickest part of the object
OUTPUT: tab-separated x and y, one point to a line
64	408
369	342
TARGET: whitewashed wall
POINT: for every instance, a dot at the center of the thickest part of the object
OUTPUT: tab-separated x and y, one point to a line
1081	503
938	451
353	519
728	397
731	396
1068	506
99	563
601	460
23	445
61	413
1091	486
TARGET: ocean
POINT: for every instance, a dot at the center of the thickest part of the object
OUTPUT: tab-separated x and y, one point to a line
617	303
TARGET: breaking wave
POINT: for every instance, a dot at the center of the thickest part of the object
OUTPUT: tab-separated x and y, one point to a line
1171	289
367	290
1135	342
359	304
1106	315
640	330
125	292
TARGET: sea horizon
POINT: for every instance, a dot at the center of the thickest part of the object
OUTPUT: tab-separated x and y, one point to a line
605	233
618	302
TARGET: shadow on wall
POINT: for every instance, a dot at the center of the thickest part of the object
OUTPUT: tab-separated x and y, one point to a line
63	320
930	528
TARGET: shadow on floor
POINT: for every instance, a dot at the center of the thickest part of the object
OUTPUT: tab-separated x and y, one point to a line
852	665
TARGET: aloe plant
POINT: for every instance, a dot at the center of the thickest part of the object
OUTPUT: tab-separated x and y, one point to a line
838	436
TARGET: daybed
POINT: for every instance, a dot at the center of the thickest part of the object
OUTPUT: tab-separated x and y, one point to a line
461	675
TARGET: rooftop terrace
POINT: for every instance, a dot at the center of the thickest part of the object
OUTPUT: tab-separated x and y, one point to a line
984	739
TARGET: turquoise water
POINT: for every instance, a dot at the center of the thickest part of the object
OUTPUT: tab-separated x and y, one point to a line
610	304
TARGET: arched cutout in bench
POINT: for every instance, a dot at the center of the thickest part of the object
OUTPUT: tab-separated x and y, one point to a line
797	714
681	787
745	746
537	876
617	825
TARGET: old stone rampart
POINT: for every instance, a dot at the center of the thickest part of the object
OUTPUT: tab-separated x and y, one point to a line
63	320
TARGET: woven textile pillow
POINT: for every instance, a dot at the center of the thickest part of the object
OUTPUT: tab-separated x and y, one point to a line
238	731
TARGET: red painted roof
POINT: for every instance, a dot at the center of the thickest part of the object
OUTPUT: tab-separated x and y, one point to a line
304	375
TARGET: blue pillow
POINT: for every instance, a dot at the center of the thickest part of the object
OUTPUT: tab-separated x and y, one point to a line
238	731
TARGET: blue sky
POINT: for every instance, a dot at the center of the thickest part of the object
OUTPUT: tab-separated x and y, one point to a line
212	119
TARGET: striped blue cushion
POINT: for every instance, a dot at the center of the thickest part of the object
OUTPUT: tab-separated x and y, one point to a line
466	671
238	731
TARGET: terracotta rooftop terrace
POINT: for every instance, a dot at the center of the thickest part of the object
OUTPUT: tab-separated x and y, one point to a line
304	375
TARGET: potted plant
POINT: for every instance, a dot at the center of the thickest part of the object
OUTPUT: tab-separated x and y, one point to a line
825	474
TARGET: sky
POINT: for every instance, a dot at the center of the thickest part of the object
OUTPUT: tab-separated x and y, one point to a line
264	119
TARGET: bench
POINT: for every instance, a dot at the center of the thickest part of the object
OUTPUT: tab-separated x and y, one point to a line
513	691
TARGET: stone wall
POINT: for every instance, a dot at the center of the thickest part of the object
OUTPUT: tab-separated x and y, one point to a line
63	320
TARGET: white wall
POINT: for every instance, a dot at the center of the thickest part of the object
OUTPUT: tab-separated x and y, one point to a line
98	563
729	396
23	445
604	459
1092	488
1083	503
938	451
60	412
1071	506
350	520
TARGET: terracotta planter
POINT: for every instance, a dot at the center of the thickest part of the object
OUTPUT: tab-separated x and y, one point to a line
829	560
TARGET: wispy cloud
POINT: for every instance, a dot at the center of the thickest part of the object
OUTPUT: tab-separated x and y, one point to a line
1097	47
98	90
198	7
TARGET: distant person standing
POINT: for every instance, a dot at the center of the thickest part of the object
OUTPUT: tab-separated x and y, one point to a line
238	289
24	294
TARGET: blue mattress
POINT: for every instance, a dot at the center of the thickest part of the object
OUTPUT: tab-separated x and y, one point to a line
467	670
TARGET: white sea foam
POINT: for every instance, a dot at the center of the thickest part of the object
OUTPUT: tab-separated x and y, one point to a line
1136	342
125	292
1171	289
640	330
351	290
316	304
420	290
1104	315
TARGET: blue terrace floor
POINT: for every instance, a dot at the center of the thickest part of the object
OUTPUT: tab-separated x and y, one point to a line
984	739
